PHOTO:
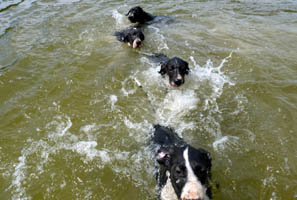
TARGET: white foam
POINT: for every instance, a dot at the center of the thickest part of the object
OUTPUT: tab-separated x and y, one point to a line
88	128
85	43
58	138
176	104
62	124
229	142
18	176
138	127
120	19
113	99
63	184
38	154
152	75
159	38
86	148
117	16
203	86
209	72
126	86
241	101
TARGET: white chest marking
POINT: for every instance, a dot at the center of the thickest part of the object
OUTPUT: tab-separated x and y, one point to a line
167	192
193	188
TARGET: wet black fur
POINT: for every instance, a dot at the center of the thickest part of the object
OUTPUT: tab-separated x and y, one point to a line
170	144
174	66
129	35
137	14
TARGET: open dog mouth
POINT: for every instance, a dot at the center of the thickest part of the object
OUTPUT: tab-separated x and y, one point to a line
131	18
173	84
177	82
137	43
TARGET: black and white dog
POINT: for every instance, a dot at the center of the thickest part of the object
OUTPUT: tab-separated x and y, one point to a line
184	171
132	36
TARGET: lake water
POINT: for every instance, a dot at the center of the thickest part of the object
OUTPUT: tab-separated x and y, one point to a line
74	123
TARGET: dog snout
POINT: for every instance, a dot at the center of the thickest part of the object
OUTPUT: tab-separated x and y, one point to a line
178	82
130	17
137	43
179	77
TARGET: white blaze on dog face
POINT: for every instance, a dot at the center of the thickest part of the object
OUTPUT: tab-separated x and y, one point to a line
135	43
179	77
193	188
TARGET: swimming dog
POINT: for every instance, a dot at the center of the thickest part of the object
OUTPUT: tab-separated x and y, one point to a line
176	69
132	36
184	171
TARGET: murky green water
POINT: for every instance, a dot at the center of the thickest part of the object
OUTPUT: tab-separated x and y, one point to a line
75	125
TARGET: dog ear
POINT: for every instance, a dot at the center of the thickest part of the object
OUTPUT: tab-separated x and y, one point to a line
125	38
187	69
121	36
163	69
141	36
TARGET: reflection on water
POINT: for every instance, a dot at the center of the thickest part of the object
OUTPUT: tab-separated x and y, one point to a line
78	106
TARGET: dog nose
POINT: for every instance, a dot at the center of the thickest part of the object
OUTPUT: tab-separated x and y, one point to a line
138	43
178	82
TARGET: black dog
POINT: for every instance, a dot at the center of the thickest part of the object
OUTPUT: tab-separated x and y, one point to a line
137	14
132	36
184	171
176	69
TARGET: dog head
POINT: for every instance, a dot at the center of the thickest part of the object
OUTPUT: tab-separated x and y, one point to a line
133	37
176	69
136	14
189	170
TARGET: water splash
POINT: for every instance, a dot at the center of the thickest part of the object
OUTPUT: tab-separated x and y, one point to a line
203	86
120	19
225	142
37	156
211	80
113	99
209	72
43	149
176	105
126	91
159	39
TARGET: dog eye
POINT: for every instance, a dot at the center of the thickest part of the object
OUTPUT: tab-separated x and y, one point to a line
179	170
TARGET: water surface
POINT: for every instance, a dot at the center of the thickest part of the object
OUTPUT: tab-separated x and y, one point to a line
74	123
